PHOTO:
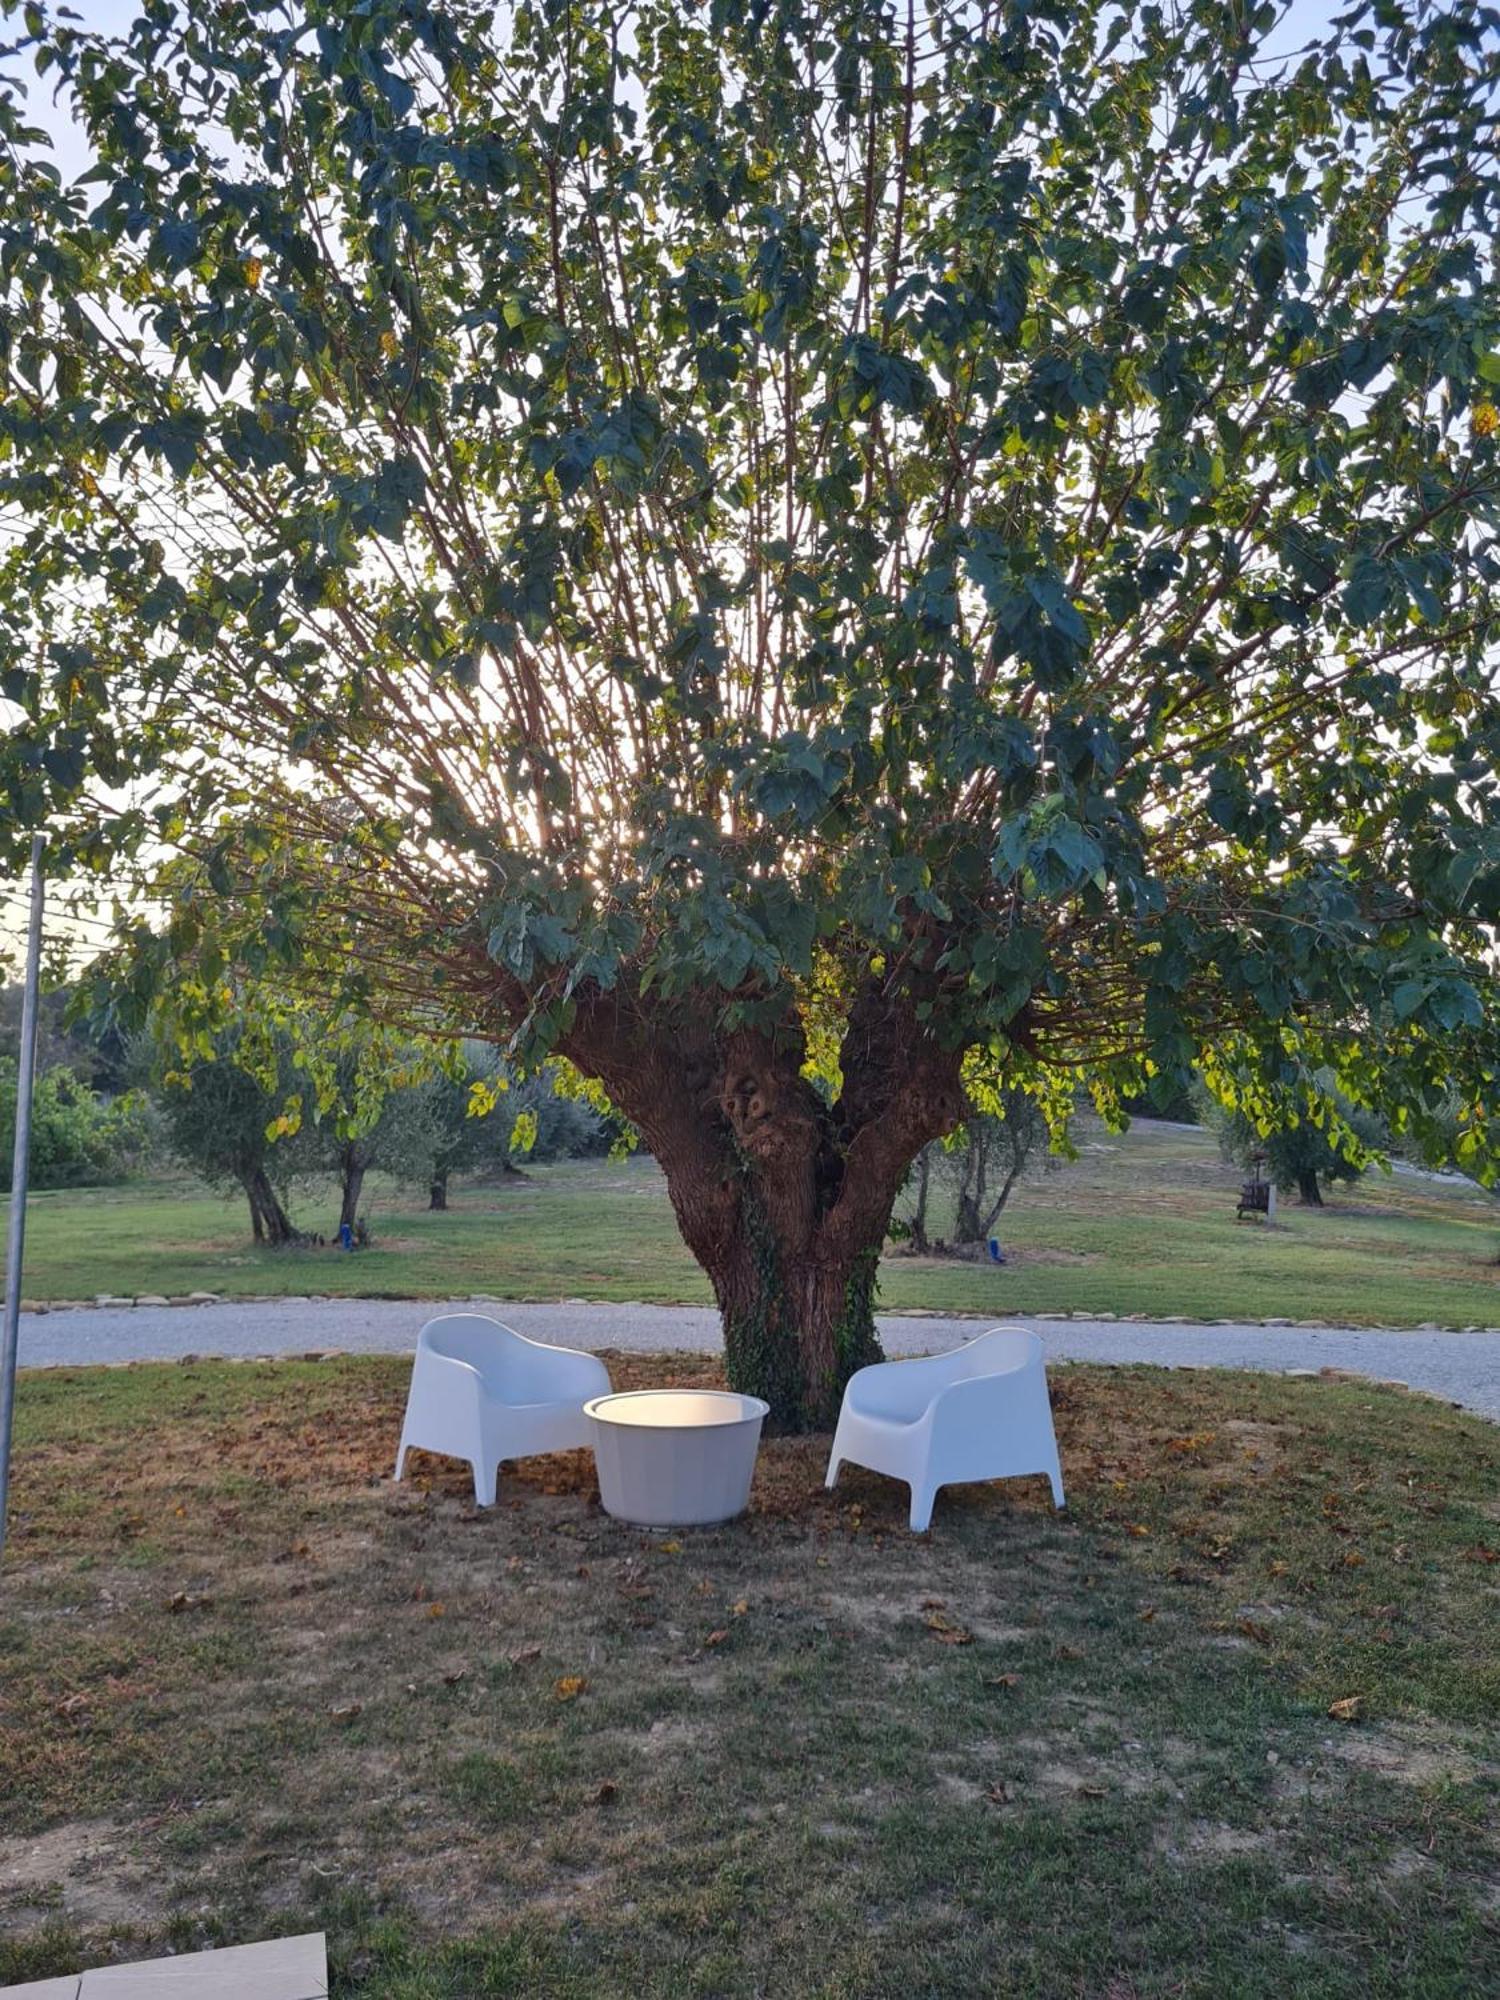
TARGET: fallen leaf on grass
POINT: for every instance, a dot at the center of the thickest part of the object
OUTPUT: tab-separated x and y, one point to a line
452	1680
1482	1553
1147	1615
1136	1528
570	1686
436	1610
346	1711
1003	1681
75	1707
997	1794
184	1600
670	1548
717	1638
522	1656
946	1632
739	1609
606	1792
1348	1708
1093	1791
1261	1634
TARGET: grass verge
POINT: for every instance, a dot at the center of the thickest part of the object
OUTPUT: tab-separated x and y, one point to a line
1142	1222
250	1686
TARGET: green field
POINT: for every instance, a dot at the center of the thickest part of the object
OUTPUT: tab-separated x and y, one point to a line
1140	1223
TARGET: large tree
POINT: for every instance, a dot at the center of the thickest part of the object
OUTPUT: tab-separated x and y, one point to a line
788	554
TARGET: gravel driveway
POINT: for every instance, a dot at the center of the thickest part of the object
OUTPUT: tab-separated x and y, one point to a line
1465	1367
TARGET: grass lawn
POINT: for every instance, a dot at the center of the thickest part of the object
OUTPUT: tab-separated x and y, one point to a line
250	1687
1143	1222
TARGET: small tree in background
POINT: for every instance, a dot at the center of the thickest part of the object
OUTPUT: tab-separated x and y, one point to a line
218	1120
474	1120
993	1155
979	1165
437	1129
1307	1156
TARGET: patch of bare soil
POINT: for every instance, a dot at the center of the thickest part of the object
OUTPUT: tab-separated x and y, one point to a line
88	1871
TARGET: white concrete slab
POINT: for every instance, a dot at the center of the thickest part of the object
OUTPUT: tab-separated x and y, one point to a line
65	1988
293	1968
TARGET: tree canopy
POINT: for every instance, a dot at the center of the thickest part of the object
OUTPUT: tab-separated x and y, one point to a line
812	559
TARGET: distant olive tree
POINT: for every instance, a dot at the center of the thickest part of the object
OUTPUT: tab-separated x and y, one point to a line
219	1115
978	1166
1307	1156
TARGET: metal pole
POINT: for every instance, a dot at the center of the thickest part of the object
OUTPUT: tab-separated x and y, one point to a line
21	1160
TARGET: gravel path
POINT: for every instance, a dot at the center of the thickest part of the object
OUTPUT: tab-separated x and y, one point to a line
1465	1367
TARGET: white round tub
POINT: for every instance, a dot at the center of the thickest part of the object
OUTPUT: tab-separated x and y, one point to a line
675	1458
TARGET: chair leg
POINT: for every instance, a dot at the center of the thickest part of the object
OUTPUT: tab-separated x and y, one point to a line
484	1483
1055	1479
922	1498
401	1457
832	1479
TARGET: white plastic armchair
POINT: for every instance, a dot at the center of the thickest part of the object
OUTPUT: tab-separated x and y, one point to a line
978	1412
482	1391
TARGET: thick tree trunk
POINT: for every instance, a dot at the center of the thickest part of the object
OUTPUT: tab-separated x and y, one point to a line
269	1222
795	1326
1310	1192
437	1193
783	1198
352	1180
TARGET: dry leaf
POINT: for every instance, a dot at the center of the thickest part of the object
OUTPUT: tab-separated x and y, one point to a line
946	1632
1148	1614
570	1686
717	1638
436	1610
1482	1553
606	1792
452	1680
184	1600
346	1711
1261	1634
739	1608
1348	1708
1354	1560
670	1548
997	1794
521	1656
934	1604
1136	1528
1004	1681
1093	1791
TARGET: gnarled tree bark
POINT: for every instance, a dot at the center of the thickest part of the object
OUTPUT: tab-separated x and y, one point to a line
269	1222
783	1197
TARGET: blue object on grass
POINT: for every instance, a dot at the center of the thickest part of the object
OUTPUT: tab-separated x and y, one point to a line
997	1255
346	1236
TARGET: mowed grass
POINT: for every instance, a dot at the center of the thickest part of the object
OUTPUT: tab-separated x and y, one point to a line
252	1687
1141	1222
